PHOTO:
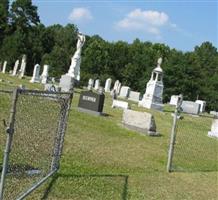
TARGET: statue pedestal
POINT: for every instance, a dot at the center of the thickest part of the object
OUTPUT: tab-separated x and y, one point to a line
66	83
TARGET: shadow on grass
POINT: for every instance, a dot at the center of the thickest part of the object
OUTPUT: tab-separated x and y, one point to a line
55	178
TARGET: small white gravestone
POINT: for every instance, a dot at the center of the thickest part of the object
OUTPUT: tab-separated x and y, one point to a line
174	100
22	67
139	121
134	96
4	67
120	104
44	75
90	84
124	92
117	86
214	113
202	105
97	84
107	87
14	73
36	76
214	129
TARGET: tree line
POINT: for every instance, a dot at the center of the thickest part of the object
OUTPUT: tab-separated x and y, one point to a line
194	74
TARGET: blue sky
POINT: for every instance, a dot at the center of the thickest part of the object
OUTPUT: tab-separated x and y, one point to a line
179	24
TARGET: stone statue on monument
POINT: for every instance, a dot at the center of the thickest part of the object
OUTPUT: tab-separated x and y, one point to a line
74	70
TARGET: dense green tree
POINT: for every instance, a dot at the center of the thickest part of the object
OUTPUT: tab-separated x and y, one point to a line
4	6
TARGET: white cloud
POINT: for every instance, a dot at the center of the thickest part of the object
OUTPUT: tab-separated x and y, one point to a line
80	14
149	21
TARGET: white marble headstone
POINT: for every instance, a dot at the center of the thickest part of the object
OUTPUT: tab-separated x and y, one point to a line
124	92
202	105
4	67
214	129
14	73
90	84
44	75
134	96
97	84
107	87
36	76
22	67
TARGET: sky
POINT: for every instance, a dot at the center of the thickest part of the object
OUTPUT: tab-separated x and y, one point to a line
178	24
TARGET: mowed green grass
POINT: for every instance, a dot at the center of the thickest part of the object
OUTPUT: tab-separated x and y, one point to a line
103	160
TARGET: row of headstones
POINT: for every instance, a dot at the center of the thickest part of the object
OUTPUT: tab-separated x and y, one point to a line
15	71
37	78
122	91
190	107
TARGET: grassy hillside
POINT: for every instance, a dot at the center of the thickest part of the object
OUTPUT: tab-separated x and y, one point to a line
103	160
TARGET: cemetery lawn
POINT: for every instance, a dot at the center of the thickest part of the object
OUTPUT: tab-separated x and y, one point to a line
103	160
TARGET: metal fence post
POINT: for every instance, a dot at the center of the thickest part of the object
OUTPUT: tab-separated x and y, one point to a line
173	135
9	131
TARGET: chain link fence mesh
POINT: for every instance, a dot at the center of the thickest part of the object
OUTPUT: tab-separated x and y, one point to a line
193	149
40	122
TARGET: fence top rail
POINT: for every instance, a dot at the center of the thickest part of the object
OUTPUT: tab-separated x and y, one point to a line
36	92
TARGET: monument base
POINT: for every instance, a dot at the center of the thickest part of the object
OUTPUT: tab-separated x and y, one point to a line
66	83
151	105
213	134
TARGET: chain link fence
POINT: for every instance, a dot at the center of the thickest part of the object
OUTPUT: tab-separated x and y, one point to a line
35	137
191	148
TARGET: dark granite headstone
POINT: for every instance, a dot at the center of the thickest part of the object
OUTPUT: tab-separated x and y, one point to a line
91	102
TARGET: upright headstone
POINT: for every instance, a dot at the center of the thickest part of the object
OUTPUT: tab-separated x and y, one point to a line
214	129
152	98
44	75
36	76
90	84
174	100
68	80
134	96
120	104
202	105
91	102
14	73
22	67
4	67
97	84
190	107
107	87
117	86
139	121
124	92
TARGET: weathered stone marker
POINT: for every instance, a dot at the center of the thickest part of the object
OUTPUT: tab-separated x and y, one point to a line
139	121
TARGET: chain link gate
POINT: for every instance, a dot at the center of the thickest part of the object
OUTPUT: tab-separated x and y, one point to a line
34	139
191	149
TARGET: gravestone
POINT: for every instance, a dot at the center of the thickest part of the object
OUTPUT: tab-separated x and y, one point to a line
190	107
22	67
134	96
4	67
97	84
120	104
202	105
214	113
214	129
91	102
174	100
117	87
36	76
152	98
14	73
139	121
44	75
66	83
90	84
124	92
107	87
